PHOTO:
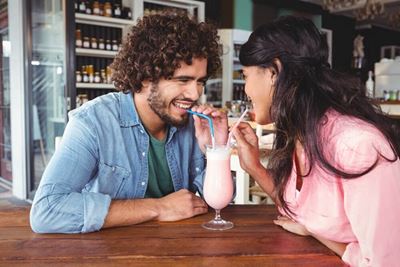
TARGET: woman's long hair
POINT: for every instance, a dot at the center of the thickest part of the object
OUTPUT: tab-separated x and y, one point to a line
306	87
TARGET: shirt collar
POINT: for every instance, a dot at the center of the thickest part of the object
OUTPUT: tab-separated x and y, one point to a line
128	114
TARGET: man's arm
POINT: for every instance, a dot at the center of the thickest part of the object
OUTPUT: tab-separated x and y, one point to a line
60	205
176	206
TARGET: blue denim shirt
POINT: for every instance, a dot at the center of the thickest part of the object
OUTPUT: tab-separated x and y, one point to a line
103	156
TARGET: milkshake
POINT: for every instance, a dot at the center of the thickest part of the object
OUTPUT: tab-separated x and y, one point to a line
218	184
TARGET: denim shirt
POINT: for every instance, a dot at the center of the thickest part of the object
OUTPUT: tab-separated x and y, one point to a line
103	156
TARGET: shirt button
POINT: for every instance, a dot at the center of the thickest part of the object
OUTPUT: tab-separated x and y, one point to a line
141	131
144	154
197	169
143	183
113	169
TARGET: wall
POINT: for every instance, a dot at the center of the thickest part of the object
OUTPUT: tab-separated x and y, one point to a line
238	13
374	38
342	27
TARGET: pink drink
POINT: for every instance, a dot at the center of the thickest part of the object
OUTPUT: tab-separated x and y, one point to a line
218	184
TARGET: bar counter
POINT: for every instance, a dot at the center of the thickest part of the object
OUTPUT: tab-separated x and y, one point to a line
254	241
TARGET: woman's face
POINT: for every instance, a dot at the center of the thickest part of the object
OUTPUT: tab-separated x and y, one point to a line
259	88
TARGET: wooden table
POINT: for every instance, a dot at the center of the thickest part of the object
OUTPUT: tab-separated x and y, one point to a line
254	241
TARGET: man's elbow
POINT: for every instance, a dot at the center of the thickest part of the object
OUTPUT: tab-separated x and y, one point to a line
38	221
44	221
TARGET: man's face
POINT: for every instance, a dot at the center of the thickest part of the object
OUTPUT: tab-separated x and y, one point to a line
170	98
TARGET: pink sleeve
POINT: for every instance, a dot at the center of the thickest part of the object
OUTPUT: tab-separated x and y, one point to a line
372	201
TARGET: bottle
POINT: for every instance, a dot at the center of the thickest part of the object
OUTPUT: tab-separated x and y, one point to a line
101	9
386	95
108	44
107	9
85	77
96	8
78	38
94	43
86	42
114	45
90	73
88	9
97	78
101	44
117	11
82	7
392	95
76	6
78	76
370	85
103	76
127	13
109	74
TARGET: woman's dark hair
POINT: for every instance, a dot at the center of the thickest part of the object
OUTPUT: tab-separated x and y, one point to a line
157	44
305	89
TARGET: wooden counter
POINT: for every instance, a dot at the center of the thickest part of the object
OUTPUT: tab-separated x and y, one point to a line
254	241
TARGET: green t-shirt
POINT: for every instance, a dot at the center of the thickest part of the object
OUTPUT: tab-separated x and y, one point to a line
160	180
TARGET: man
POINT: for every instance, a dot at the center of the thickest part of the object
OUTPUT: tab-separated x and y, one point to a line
132	156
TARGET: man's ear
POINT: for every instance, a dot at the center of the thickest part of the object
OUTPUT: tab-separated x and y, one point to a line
145	85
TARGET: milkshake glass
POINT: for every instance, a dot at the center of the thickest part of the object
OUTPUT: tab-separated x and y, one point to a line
218	184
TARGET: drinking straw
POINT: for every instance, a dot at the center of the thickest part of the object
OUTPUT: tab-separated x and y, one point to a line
234	127
209	122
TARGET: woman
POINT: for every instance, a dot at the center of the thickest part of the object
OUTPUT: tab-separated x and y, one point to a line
335	169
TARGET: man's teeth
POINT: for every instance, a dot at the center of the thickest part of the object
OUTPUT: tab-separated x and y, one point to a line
183	106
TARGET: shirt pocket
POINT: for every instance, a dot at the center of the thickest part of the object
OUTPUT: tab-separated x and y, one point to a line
110	180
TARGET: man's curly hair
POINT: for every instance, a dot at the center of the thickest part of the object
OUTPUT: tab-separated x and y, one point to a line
157	44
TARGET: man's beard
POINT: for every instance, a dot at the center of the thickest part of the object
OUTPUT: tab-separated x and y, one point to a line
157	104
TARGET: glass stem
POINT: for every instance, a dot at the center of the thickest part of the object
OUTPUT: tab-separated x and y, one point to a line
217	215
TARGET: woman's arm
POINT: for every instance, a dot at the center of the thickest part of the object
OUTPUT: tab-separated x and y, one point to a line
249	157
299	229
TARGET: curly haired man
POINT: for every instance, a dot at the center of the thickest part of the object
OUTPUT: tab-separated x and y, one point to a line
136	155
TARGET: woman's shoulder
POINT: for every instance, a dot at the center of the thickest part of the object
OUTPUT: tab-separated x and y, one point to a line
351	140
336	126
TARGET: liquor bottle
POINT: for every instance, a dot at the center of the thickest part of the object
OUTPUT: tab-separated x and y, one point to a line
370	85
117	11
93	43
76	6
78	38
107	9
96	8
114	45
82	6
86	42
101	44
127	13
108	44
88	8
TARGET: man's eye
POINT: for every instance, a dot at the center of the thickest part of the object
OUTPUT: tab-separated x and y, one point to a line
183	80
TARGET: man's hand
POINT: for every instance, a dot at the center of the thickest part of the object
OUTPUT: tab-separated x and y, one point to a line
291	226
203	132
180	205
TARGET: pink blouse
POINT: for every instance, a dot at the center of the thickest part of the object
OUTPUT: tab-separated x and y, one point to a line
363	212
